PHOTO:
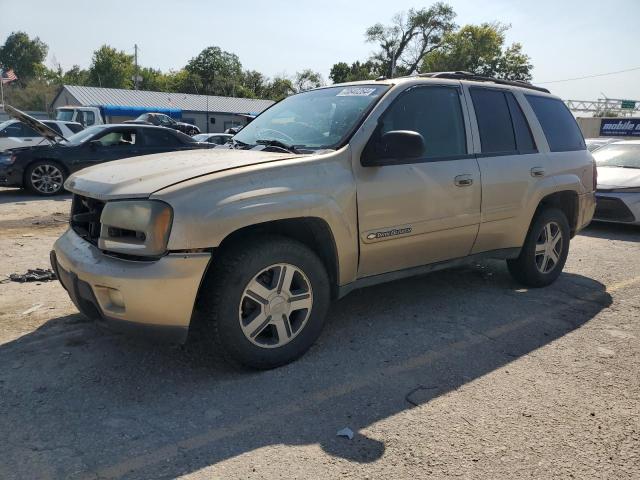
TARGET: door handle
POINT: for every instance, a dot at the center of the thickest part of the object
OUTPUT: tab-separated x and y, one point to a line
538	172
463	180
27	140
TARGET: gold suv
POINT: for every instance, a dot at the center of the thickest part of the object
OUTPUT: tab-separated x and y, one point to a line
327	191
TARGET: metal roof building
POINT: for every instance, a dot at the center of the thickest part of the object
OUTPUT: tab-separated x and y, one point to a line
210	113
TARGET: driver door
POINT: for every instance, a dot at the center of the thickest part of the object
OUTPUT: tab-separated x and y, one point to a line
417	211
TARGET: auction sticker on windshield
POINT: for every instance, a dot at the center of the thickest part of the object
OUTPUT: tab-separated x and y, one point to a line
356	92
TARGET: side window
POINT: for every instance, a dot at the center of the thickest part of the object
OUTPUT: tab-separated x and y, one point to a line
89	118
54	126
123	138
558	124
524	138
14	130
435	113
494	121
160	138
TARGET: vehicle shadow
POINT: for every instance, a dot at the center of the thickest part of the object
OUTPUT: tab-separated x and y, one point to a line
78	402
612	231
16	195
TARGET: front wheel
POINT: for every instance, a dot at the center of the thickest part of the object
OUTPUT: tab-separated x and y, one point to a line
45	178
545	250
264	302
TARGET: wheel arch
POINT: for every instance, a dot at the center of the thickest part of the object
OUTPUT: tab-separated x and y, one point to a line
566	201
313	232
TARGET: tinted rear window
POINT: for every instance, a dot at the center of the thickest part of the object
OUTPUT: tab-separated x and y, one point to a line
559	126
494	121
74	127
53	126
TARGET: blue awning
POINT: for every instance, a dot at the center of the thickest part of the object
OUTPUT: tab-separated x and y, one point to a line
124	111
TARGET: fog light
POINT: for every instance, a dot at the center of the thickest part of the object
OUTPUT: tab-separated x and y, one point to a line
115	297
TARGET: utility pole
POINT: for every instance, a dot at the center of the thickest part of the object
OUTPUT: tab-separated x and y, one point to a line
135	56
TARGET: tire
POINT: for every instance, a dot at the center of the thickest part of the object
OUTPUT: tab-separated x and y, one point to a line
244	307
45	178
540	262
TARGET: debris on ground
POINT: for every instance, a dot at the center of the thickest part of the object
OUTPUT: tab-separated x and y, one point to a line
345	432
34	275
32	309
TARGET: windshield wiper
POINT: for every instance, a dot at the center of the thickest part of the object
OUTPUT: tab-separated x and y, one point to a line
278	144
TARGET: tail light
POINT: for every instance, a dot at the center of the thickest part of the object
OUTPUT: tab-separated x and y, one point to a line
595	176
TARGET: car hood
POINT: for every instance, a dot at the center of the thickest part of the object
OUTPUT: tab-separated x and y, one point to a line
616	177
141	176
37	125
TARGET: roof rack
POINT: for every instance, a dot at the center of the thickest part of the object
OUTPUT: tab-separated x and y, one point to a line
480	78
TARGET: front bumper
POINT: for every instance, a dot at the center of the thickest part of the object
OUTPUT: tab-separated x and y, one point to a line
152	298
618	207
10	176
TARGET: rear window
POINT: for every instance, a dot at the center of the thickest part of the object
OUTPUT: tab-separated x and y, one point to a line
559	126
494	121
74	127
54	126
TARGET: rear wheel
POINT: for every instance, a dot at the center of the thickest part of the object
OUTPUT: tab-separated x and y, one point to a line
545	250
264	302
45	177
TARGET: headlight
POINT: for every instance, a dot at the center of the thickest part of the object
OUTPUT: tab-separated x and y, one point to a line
135	227
7	159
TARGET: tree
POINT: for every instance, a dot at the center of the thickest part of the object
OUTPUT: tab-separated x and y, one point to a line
307	79
152	79
36	95
342	72
279	87
254	84
411	36
75	76
480	49
24	55
219	71
111	68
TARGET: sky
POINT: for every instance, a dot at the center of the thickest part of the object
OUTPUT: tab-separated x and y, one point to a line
564	38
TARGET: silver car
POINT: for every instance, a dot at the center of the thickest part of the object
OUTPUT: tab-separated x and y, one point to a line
618	191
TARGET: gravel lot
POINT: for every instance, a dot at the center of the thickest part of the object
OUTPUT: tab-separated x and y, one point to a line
460	373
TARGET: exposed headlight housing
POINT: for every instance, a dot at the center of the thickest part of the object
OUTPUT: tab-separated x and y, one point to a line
135	227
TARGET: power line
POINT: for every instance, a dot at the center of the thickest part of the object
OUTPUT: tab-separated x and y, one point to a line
590	76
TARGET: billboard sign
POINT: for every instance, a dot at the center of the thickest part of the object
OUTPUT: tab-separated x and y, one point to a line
616	127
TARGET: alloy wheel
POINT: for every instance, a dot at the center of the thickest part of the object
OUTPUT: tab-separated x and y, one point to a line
549	247
275	305
47	178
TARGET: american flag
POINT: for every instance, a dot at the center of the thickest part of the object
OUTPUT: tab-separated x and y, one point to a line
8	76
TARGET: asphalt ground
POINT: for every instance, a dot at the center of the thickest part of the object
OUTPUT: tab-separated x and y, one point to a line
460	373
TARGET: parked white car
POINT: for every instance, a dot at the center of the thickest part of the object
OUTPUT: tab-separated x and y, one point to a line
618	193
14	134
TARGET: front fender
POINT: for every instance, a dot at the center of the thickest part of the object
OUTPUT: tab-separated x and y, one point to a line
206	211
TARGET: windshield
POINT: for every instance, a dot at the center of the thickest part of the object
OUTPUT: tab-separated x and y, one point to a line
201	137
84	135
317	119
618	155
64	115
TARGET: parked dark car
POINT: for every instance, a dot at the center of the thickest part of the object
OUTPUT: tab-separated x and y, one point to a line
162	120
44	168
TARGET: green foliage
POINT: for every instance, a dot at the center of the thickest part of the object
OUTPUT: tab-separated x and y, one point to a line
343	72
409	37
219	72
307	79
479	49
36	95
24	55
111	68
279	87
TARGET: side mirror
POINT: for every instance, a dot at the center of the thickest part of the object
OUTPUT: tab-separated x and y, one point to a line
395	145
